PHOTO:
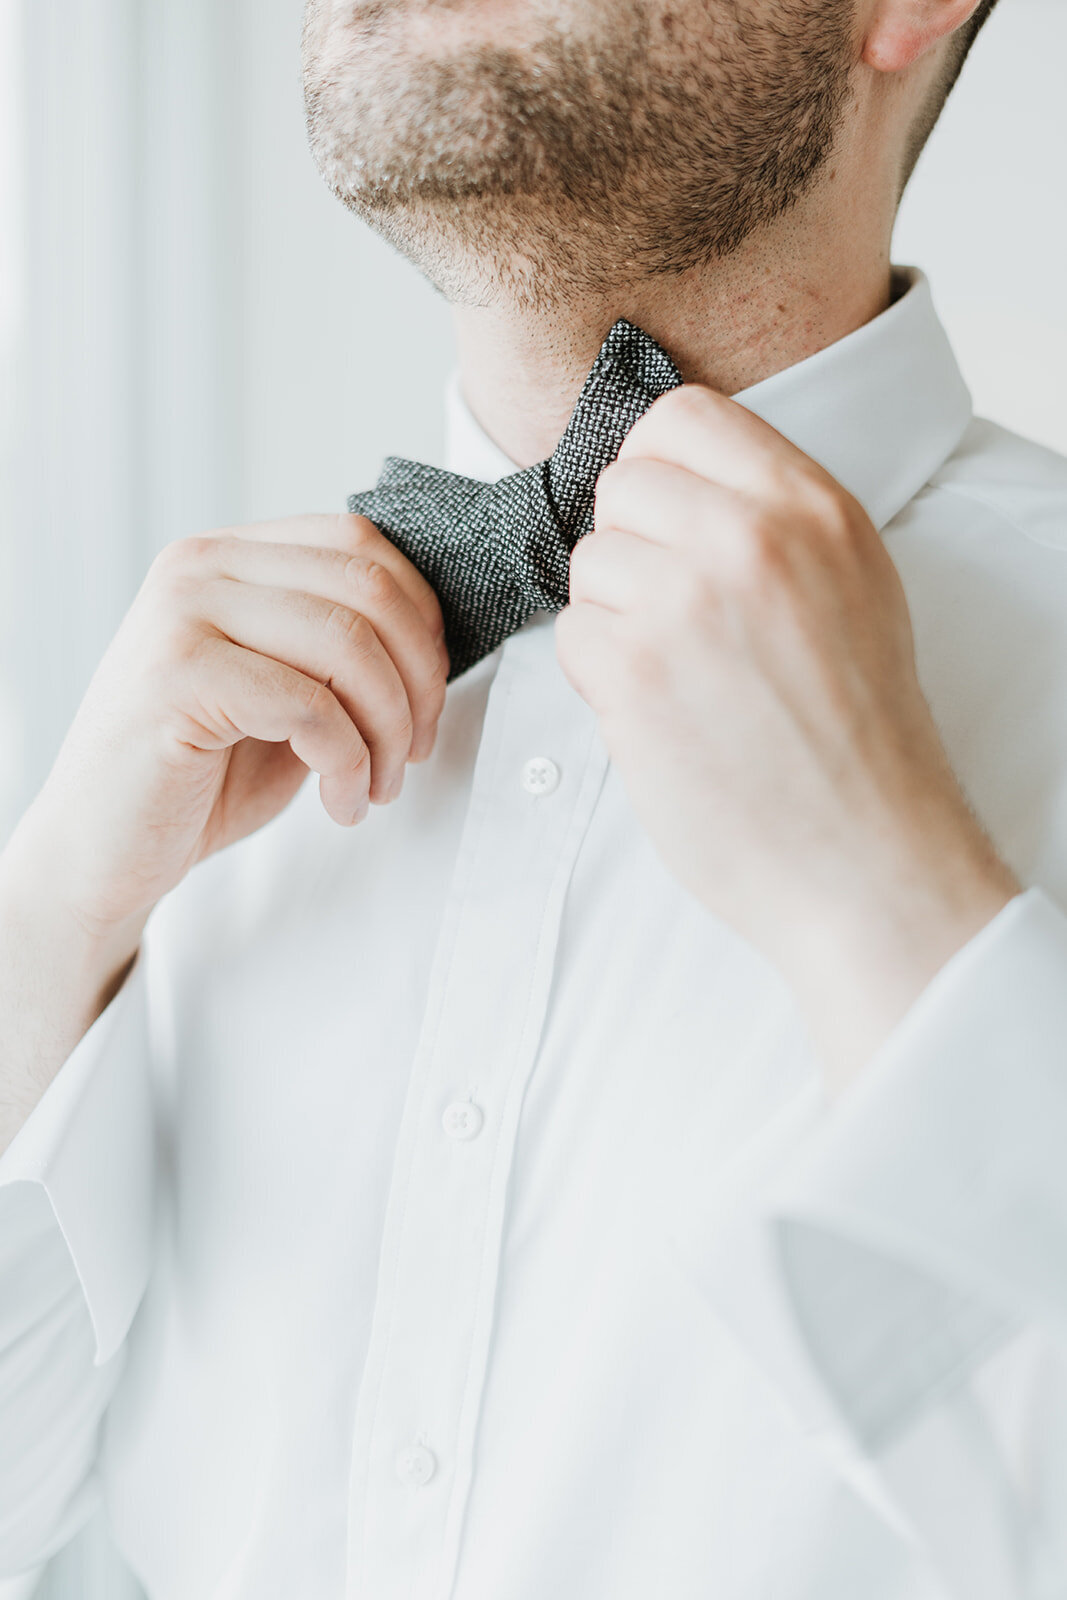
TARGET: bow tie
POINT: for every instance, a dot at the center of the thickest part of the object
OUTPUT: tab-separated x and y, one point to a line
497	552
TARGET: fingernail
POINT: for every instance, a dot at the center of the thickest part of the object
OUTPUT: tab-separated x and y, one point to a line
361	811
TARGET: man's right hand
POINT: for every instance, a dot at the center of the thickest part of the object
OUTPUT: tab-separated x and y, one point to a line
248	657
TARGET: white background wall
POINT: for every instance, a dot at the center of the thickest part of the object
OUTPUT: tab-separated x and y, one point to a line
986	215
198	334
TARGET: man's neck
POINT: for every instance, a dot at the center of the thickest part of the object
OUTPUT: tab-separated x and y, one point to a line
728	326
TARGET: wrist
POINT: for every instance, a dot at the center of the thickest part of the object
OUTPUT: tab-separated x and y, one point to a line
867	959
56	977
42	925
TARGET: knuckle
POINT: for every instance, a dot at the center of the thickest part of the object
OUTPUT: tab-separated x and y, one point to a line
224	548
682	410
690	402
360	761
355	533
183	646
614	488
376	584
351	631
183	555
165	625
391	739
759	563
832	511
353	572
178	577
394	721
315	702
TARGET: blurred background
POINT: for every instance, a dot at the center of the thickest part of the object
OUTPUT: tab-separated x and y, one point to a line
194	333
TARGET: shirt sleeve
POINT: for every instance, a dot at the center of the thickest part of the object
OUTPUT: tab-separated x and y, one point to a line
872	1249
89	1145
76	1203
877	1257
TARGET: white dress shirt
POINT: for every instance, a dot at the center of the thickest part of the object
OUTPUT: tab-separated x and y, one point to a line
448	1208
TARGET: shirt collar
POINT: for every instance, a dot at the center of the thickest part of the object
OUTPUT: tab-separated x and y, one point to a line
882	409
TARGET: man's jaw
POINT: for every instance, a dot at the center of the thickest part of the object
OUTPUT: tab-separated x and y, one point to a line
441	27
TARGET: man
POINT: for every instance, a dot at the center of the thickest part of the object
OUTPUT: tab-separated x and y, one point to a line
627	1163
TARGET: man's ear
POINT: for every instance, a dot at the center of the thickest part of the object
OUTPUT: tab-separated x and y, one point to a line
901	32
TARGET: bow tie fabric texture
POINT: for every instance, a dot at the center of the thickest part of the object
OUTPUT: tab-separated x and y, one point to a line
497	552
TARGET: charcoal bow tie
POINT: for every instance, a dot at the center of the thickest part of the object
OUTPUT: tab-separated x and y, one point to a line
496	553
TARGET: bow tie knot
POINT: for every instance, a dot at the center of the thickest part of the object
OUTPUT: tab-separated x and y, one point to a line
496	553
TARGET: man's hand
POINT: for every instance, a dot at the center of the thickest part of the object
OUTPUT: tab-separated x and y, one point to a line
741	632
248	657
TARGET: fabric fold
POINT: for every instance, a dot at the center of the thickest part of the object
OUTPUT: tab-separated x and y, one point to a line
89	1143
870	1256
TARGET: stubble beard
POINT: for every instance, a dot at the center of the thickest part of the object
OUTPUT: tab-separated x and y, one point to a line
651	143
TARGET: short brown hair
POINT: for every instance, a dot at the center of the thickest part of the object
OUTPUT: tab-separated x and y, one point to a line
960	51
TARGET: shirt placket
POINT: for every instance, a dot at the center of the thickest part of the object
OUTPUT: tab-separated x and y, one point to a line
539	771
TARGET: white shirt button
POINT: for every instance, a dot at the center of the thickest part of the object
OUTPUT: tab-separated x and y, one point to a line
540	776
415	1465
463	1120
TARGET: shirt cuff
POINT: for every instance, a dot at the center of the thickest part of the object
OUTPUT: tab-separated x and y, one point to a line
870	1255
89	1144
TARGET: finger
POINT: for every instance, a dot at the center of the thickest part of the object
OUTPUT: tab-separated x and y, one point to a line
717	438
584	649
666	504
366	586
722	533
615	569
339	648
239	694
350	535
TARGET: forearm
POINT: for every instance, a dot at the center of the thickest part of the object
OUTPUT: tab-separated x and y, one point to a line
56	976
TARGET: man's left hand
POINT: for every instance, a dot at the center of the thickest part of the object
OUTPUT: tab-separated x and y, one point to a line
738	627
